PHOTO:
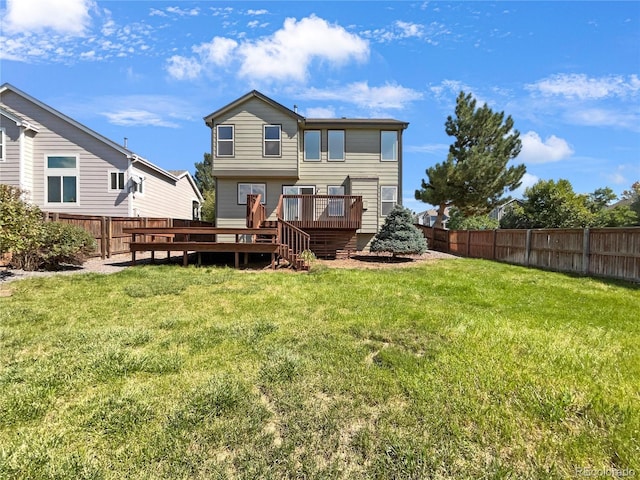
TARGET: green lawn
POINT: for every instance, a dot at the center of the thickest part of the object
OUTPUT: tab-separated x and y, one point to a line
455	369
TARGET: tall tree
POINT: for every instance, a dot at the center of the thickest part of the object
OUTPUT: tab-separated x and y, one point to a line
475	175
206	184
204	174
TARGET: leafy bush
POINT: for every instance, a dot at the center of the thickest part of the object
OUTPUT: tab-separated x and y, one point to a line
398	235
457	221
20	223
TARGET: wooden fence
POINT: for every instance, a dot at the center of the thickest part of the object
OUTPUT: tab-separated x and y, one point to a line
108	231
604	252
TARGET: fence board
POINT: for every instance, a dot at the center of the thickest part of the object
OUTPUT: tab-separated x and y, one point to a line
605	252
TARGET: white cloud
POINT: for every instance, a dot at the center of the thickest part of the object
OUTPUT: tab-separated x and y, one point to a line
440	149
257	12
320	112
70	17
535	150
191	12
217	52
401	30
289	52
583	87
528	180
601	117
138	118
182	68
285	56
389	96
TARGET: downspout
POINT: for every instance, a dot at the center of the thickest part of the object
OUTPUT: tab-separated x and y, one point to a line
21	162
130	195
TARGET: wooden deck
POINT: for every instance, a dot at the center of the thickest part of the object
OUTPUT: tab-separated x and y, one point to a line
203	239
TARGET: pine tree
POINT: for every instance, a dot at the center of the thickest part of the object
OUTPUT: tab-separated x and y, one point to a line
398	235
475	175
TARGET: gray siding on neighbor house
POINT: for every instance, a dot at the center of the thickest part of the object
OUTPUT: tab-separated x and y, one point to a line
95	159
248	120
162	196
10	167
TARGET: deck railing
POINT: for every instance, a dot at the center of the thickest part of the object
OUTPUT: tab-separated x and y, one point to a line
256	213
293	242
321	211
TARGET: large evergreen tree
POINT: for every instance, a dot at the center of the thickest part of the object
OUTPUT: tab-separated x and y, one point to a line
398	235
475	175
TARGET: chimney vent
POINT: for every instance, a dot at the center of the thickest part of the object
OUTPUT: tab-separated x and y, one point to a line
125	142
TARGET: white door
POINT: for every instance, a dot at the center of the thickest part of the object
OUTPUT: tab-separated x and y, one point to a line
294	208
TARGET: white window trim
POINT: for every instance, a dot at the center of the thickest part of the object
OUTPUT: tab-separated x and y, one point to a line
124	182
232	140
382	159
244	201
61	172
3	145
344	146
319	132
395	199
265	140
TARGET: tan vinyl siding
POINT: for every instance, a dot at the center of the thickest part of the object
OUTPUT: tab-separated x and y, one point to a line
162	197
95	158
10	167
369	188
248	120
362	160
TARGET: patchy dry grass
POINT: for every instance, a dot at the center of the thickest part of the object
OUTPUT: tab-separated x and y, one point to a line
460	369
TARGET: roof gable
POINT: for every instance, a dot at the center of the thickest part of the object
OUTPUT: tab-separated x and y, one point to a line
245	98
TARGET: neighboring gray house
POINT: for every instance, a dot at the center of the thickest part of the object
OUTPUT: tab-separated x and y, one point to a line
498	212
428	217
65	167
307	170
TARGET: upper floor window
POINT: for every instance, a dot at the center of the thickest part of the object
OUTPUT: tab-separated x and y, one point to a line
336	145
388	199
389	146
116	181
312	145
2	149
272	140
225	140
62	179
137	184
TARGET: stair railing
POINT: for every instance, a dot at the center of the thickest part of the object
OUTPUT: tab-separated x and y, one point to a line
293	242
256	213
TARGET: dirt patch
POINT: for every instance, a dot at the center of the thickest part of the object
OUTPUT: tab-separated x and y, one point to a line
374	260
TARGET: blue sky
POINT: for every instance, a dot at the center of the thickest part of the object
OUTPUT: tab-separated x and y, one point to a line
567	72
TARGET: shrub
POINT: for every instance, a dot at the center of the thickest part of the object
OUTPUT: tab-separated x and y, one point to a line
20	223
398	235
60	243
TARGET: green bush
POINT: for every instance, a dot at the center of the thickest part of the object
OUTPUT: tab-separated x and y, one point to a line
398	235
20	223
59	244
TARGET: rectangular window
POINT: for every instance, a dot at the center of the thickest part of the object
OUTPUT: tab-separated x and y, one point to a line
116	181
245	189
62	179
336	205
336	145
389	146
225	147
388	199
312	145
2	145
272	140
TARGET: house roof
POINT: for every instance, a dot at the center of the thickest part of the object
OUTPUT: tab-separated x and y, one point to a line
18	121
308	122
125	151
245	98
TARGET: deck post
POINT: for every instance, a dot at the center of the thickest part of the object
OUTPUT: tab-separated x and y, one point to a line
185	258
237	259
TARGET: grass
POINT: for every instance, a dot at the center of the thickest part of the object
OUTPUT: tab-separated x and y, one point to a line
457	369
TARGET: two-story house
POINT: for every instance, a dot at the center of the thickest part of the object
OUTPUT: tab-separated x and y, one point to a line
65	167
336	179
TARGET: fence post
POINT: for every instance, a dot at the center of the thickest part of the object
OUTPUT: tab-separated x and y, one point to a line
103	237
527	247
493	249
468	243
109	237
585	252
